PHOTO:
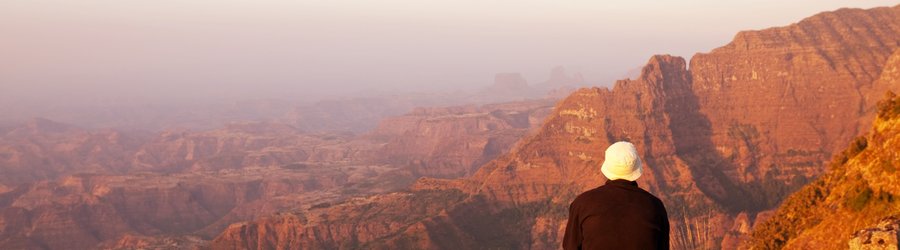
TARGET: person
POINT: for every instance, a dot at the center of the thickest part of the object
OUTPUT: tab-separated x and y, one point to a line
618	214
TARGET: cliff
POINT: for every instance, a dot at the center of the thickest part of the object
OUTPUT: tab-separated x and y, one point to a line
780	101
860	188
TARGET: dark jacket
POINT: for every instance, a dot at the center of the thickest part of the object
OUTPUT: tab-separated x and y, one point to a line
617	215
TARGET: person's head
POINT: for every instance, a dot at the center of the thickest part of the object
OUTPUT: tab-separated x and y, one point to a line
622	162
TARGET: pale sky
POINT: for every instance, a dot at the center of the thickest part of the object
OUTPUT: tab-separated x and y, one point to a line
70	50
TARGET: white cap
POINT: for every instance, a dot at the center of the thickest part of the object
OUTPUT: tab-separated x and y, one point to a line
622	162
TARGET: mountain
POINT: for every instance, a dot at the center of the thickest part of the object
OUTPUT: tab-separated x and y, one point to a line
859	189
724	141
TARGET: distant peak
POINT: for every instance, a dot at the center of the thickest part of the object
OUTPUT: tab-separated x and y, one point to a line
666	59
663	64
559	77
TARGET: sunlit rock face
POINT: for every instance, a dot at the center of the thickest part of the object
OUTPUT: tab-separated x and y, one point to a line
780	101
854	204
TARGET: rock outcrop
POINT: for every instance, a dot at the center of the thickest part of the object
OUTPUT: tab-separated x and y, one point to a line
884	236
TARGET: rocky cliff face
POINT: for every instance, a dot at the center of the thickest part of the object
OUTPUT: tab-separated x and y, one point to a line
781	100
860	188
749	123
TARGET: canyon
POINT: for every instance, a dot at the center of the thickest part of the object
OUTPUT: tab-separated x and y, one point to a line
69	187
725	140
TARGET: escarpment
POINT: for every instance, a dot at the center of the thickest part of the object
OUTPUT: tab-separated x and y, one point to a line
859	190
780	101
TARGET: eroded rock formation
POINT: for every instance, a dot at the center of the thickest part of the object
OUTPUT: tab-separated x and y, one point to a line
65	187
860	188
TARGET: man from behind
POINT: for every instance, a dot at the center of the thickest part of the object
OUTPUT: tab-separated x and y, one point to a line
618	214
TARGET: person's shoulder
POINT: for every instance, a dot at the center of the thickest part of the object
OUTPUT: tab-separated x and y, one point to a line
588	195
655	199
650	196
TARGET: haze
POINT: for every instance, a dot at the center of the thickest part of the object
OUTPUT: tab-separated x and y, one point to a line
68	52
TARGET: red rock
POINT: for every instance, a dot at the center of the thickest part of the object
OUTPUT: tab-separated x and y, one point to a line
858	190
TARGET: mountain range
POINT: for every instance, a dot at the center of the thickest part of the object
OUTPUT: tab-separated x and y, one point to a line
725	137
736	142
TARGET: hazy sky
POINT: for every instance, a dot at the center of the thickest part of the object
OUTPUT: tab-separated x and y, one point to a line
123	49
